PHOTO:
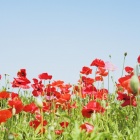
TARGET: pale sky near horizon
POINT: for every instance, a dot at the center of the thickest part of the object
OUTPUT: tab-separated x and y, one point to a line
60	37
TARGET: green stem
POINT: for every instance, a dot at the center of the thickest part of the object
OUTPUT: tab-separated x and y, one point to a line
123	64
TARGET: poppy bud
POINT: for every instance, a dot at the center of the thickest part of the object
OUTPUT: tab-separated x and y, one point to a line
125	54
10	136
13	111
134	84
39	102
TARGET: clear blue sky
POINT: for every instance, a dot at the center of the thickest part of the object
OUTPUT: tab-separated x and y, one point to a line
62	36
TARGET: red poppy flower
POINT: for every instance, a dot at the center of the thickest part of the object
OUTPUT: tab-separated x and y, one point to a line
4	115
125	83
102	71
128	99
31	108
87	127
129	69
49	90
22	73
36	123
58	132
98	78
91	107
21	82
65	88
57	83
89	89
17	104
4	95
87	81
98	63
64	124
45	76
64	98
0	76
86	70
37	88
138	59
101	94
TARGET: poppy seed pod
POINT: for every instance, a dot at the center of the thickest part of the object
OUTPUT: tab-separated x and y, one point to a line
134	84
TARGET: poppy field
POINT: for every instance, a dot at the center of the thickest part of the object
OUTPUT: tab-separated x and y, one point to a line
43	108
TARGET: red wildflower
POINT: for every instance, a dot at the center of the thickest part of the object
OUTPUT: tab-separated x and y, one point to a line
87	127
128	99
98	78
138	59
101	94
21	83
89	89
64	124
58	132
49	90
102	71
45	76
65	88
98	63
4	95
64	98
87	81
86	70
129	69
37	88
16	103
57	83
36	123
4	115
125	82
91	107
31	108
22	73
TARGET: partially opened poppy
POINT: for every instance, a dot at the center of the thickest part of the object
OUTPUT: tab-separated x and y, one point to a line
45	76
129	69
59	132
97	63
87	127
86	70
22	73
64	124
36	123
4	115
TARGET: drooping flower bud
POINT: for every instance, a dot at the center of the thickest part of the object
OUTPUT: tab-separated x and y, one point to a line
134	84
